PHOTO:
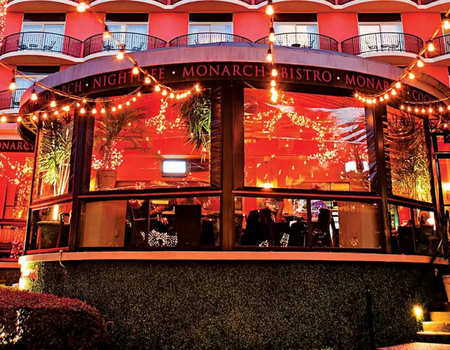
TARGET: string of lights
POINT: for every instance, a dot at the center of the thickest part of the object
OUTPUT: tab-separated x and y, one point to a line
394	90
270	11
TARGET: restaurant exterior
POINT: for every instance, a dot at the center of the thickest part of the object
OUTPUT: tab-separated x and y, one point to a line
215	218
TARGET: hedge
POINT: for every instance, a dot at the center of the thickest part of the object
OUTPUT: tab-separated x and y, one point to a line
44	321
258	305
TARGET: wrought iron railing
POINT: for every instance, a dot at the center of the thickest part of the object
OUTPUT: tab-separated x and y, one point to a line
441	46
10	99
382	42
132	42
303	40
41	41
207	38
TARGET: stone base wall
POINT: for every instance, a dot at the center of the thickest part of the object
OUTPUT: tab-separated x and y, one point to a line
245	304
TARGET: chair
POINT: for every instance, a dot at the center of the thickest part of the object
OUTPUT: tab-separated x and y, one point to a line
371	46
49	47
321	236
138	48
107	47
188	224
309	44
298	234
296	45
22	46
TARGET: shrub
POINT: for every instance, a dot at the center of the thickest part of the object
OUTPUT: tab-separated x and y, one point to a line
44	321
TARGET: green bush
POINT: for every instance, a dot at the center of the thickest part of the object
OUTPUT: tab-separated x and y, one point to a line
44	321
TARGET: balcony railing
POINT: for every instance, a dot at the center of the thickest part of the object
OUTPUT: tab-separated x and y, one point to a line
10	99
133	42
382	42
42	41
303	40
207	38
442	46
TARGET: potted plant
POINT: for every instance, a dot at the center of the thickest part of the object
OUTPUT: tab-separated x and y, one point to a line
110	129
54	168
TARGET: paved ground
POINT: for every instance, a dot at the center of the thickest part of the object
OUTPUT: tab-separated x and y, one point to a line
418	346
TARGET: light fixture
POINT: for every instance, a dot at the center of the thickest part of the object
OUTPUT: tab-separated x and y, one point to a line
82	6
269	56
441	109
82	111
147	80
430	110
139	94
418	312
416	110
135	69
420	63
411	75
270	11
121	54
127	103
398	85
84	100
423	111
106	33
53	104
408	109
19	119
197	87
119	106
94	111
386	96
274	97
172	95
55	113
393	92
12	84
3	119
273	83
446	23
113	109
134	99
430	46
381	99
157	88
34	117
103	111
34	95
402	107
272	36
274	72
164	92
44	116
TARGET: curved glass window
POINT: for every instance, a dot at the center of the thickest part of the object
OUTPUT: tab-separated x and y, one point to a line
306	142
155	143
407	155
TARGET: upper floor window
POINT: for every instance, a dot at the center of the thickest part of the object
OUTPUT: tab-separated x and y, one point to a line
130	29
297	30
210	27
43	32
381	32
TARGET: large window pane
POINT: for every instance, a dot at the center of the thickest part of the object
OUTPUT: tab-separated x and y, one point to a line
155	143
289	222
408	156
444	169
151	224
306	141
53	157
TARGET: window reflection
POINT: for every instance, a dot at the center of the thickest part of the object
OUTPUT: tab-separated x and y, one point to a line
267	222
306	141
146	145
408	156
149	224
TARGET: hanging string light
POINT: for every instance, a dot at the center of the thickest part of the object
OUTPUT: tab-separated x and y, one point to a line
270	11
82	6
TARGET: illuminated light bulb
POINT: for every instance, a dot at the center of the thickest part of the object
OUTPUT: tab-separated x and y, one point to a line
393	92
127	103
19	119
270	11
272	35
66	108
12	84
418	312
360	98
3	119
34	95
172	95
448	107
119	106
356	94
430	110
103	111
408	109
135	69
188	93
139	94
44	116
273	83
53	104
445	126
56	113
446	23
114	109
106	33
94	111
274	97
411	75
157	88
34	117
78	105
121	54
420	63
134	99
369	101
82	6
386	96
197	87
364	99
178	97
398	85
82	111
147	80
164	92
381	99
430	46
416	110
274	72
441	109
269	56
402	107
273	90
423	111
84	100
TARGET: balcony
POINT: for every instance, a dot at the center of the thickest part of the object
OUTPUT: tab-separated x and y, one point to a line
311	41
42	44
391	47
10	99
207	38
132	42
442	48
